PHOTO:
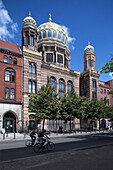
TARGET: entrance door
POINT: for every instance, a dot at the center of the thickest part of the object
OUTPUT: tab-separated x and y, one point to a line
9	125
9	122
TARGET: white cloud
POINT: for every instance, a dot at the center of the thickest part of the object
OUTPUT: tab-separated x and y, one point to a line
111	75
7	26
71	40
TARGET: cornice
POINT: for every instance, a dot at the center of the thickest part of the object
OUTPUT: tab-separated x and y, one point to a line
5	51
60	69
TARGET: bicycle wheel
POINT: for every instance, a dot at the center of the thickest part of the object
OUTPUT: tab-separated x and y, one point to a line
28	143
50	146
37	148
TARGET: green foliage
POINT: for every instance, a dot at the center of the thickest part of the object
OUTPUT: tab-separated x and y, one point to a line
108	67
44	103
47	105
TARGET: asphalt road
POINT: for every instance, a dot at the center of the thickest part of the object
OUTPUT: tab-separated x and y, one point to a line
75	151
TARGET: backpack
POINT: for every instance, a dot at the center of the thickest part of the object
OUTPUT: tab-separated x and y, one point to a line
41	134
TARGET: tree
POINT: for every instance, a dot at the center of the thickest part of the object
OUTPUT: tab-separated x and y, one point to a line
44	103
71	106
108	68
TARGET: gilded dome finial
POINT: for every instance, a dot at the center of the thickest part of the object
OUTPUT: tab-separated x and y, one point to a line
88	43
50	17
29	14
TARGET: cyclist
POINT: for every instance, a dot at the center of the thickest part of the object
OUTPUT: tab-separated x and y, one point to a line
33	135
42	135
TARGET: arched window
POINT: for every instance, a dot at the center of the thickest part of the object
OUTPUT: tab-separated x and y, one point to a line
31	40
44	34
62	37
69	87
53	83
40	35
6	93
61	87
12	94
10	60
59	35
5	58
33	68
14	61
32	86
49	57
29	67
65	40
10	75
59	58
30	90
49	33
54	34
26	38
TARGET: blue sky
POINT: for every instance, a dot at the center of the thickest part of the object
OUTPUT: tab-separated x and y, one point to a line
85	20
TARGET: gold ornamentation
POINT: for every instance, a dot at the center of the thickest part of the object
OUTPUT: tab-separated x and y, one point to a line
50	17
29	14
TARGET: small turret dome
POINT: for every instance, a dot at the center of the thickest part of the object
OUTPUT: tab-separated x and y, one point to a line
29	22
89	49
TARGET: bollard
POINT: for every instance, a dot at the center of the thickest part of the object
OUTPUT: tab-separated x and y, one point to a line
24	134
3	135
14	135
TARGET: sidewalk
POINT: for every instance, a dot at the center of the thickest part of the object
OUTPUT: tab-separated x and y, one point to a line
22	136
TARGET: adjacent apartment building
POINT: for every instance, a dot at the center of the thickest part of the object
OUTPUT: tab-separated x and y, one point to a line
10	87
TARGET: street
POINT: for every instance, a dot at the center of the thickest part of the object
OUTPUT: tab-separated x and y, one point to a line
93	151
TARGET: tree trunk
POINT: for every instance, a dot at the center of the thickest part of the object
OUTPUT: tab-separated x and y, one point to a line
70	123
99	124
56	124
43	124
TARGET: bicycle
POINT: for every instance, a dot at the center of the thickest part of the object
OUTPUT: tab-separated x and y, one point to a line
50	146
31	142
